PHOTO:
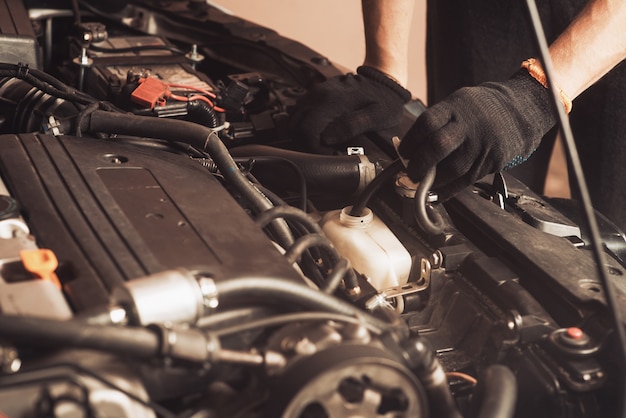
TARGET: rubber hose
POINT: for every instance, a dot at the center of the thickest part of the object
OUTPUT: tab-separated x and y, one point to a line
168	129
302	185
282	292
429	220
498	390
294	252
203	113
334	279
340	174
289	213
421	359
132	341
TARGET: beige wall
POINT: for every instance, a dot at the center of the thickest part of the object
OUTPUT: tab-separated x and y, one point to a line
331	27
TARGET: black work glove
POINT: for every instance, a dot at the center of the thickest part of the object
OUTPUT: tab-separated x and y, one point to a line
344	107
477	131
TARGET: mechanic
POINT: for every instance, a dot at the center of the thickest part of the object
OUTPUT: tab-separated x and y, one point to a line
470	132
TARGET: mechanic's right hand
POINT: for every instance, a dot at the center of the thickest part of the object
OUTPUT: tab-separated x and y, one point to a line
344	107
477	131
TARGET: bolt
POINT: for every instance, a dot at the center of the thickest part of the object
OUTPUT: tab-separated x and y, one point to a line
10	362
84	59
118	315
436	259
194	56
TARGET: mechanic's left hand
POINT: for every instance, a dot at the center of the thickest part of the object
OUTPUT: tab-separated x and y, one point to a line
334	112
477	131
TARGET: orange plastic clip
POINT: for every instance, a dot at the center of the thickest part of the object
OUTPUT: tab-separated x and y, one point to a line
41	262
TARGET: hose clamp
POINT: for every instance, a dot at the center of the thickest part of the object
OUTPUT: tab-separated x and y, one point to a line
367	172
208	289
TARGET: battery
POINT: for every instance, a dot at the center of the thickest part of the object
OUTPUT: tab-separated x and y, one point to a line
116	57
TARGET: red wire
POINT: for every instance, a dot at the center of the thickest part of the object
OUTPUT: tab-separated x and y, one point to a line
195	97
189	87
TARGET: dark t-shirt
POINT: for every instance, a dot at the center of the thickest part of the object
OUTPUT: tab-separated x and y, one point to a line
469	42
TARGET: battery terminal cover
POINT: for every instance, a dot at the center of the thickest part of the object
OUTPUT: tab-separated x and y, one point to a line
150	92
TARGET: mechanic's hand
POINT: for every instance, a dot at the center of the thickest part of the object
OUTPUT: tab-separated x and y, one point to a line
477	131
343	107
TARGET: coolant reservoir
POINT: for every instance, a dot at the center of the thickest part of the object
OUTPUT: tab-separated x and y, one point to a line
371	248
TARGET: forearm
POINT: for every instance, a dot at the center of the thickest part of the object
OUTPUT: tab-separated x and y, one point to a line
591	46
387	25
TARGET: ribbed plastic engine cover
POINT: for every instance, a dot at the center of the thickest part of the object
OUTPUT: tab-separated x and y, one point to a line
112	212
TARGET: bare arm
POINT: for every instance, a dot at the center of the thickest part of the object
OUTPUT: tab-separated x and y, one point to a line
591	46
387	25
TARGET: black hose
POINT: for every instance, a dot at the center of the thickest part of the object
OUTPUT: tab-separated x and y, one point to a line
293	214
234	316
339	174
364	198
131	341
334	278
201	112
148	127
305	242
289	213
283	292
497	393
429	220
287	319
302	244
420	357
301	178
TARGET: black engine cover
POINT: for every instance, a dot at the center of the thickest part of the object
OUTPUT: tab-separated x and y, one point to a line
113	211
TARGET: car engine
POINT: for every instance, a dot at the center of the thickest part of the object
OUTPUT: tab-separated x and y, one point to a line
169	249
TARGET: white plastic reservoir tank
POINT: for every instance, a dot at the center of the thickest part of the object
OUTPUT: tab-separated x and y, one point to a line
371	248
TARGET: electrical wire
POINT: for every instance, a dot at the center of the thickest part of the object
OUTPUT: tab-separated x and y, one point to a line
294	317
46	83
277	291
464	376
589	215
193	88
204	99
235	316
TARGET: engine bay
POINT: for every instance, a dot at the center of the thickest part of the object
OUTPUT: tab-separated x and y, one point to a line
170	249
